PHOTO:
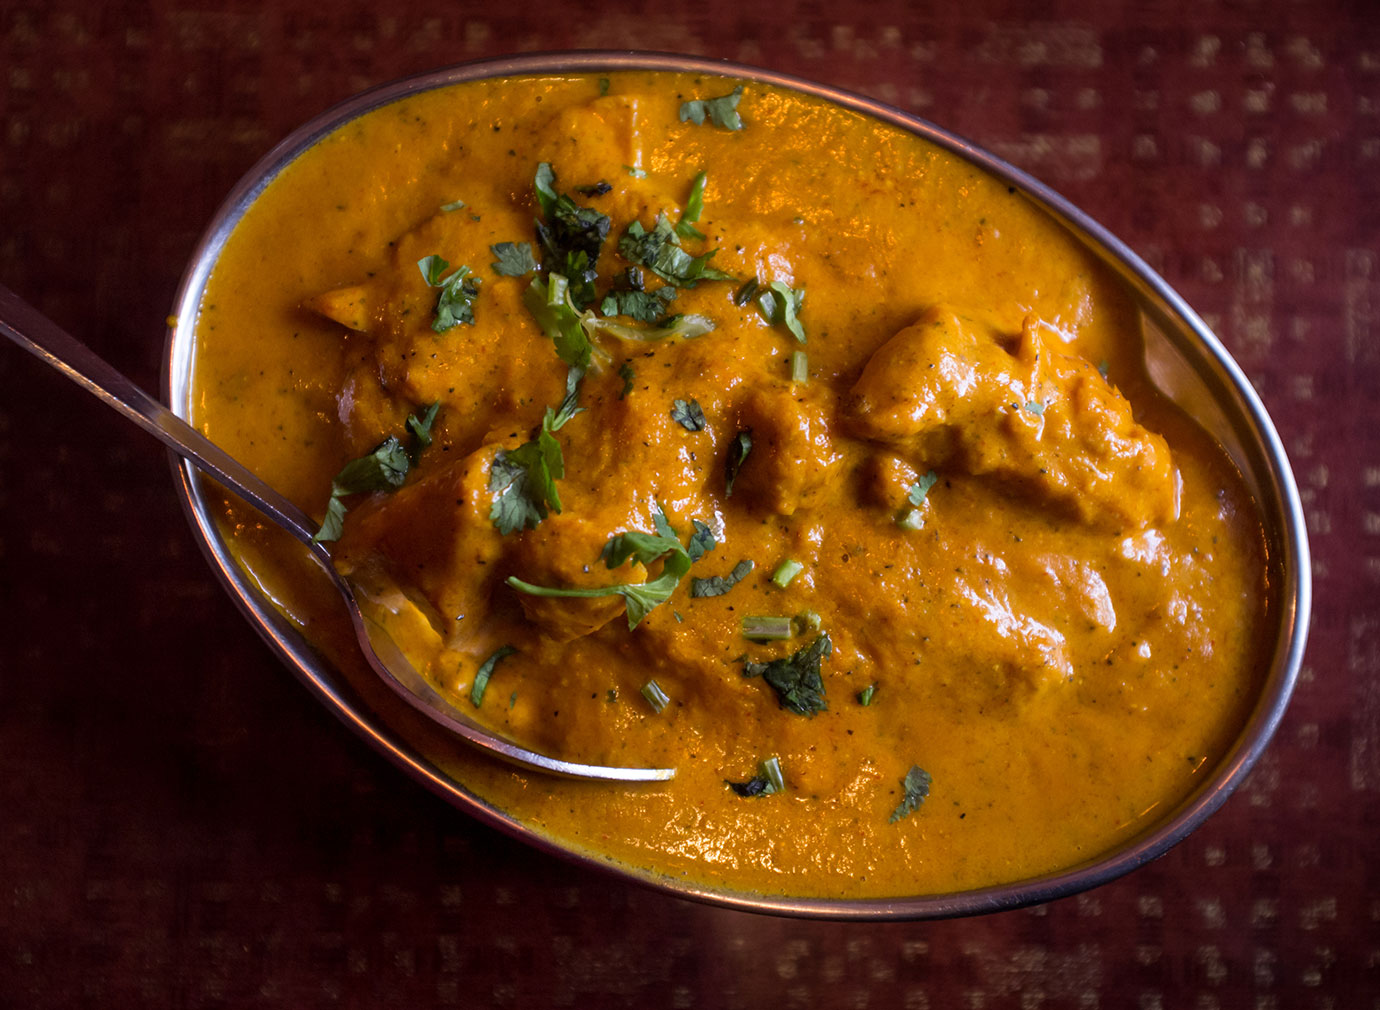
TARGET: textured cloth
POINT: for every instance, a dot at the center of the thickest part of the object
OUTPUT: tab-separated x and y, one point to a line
181	825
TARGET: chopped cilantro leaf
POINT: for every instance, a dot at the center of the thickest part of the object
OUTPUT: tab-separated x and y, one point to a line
702	541
721	111
796	678
420	430
523	481
717	585
639	599
560	322
686	326
694	207
603	86
644	306
768	780
455	304
917	787
746	292
915	494
598	189
454	205
571	236
384	468
738	451
866	695
514	258
635	172
781	306
626	373
688	415
1035	407
659	251
544	182
482	675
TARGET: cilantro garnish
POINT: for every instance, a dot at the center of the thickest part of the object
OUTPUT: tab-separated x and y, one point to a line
454	205
768	780
561	322
917	787
455	304
644	306
746	291
702	541
523	480
635	172
717	585
482	675
738	451
796	678
420	430
866	695
721	111
571	236
626	373
659	251
384	468
598	189
514	258
1035	407
688	415
780	306
639	599
915	494
694	207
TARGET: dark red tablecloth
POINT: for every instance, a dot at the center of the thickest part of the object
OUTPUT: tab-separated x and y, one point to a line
181	825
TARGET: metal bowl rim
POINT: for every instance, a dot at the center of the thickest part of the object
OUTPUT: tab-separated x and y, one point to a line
319	677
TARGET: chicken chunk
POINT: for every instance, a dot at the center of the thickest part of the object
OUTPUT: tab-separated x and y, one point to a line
947	392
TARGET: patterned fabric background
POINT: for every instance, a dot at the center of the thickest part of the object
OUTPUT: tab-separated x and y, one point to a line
181	825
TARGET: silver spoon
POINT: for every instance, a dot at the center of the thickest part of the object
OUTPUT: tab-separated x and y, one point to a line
44	339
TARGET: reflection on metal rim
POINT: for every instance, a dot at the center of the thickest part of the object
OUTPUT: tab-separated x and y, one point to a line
1252	440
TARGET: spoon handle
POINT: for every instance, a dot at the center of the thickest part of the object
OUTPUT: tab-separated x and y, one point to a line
43	338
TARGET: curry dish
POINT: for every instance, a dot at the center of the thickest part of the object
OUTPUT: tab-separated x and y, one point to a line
673	421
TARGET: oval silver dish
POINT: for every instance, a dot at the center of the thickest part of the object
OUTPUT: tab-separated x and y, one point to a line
1184	358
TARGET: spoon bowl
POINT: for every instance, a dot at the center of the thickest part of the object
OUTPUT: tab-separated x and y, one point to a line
43	338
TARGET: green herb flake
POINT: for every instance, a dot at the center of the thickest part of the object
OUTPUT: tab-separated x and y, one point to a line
746	291
721	111
780	305
866	695
639	598
454	205
636	173
482	675
1035	407
796	679
694	207
717	585
917	787
785	572
643	306
384	468
915	494
738	451
420	430
702	541
603	86
626	373
514	258
523	480
660	252
768	780
688	415
455	303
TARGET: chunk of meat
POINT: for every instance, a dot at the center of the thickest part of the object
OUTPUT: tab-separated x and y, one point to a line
563	553
351	307
433	535
792	458
949	393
